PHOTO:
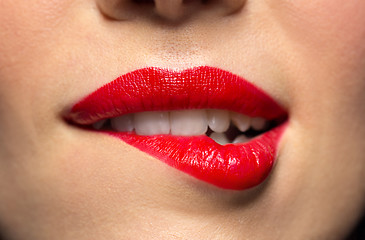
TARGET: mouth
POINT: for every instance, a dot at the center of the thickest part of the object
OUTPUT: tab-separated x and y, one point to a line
203	121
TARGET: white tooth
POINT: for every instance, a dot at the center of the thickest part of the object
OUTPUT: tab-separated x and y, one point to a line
241	139
218	120
258	123
242	122
219	138
98	125
152	123
122	123
188	122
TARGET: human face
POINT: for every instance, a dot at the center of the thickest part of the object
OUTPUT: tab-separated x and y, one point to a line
60	181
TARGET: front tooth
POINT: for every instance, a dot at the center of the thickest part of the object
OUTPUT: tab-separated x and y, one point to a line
241	139
258	123
219	138
122	123
152	123
218	120
188	122
242	122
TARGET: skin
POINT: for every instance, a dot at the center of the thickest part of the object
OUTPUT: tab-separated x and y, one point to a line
60	182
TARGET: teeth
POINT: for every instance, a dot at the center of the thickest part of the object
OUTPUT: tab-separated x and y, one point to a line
242	122
99	125
123	123
218	120
258	123
152	123
219	138
188	122
241	139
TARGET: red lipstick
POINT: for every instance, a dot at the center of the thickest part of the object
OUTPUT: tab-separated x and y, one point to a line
231	166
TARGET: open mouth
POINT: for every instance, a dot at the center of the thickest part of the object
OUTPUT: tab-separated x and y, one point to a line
223	126
204	121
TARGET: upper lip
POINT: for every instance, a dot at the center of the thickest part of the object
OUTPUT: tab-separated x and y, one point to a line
156	89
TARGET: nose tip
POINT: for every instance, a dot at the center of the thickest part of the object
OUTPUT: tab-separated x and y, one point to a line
173	10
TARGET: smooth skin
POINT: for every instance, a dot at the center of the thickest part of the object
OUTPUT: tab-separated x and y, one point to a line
58	181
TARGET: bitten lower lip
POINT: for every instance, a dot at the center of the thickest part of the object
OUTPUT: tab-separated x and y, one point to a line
231	166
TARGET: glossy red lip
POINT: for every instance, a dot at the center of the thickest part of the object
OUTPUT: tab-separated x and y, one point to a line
231	166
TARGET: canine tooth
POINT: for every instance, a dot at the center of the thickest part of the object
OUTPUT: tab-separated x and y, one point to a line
188	122
258	123
122	123
152	123
242	122
241	139
98	125
219	138
218	120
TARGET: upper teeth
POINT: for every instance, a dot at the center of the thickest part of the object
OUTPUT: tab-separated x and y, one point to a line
185	123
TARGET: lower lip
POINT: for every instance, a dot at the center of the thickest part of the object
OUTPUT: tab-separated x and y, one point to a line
231	166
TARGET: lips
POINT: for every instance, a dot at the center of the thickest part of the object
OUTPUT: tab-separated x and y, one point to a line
232	166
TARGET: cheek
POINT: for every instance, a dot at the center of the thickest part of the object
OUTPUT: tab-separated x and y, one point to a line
324	70
30	33
27	32
27	25
326	45
325	18
331	28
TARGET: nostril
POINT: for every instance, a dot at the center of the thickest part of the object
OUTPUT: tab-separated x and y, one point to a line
199	1
173	10
143	1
